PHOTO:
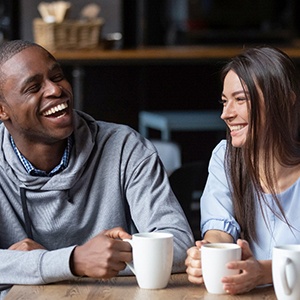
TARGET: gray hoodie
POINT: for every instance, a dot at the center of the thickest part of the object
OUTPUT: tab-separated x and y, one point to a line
114	178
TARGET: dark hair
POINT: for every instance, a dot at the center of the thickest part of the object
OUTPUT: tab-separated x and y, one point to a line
269	72
10	48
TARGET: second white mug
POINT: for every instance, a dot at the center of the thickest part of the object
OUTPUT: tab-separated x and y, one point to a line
286	272
152	259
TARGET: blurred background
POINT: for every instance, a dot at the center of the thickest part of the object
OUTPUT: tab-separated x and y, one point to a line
117	91
115	88
174	22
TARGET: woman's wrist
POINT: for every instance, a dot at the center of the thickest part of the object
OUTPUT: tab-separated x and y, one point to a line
266	277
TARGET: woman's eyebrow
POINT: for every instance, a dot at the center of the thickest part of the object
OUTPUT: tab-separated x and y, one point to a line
237	93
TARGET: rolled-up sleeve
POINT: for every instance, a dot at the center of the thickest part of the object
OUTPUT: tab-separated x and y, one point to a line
216	203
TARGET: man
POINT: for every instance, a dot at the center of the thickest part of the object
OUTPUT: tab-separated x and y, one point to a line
71	188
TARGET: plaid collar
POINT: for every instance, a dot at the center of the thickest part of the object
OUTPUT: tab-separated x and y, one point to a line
30	169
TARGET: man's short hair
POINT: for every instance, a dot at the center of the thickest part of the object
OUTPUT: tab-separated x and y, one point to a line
7	50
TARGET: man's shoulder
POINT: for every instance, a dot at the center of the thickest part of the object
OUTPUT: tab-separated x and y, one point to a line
99	126
120	134
116	128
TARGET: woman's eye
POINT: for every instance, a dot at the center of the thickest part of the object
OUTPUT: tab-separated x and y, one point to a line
222	101
241	99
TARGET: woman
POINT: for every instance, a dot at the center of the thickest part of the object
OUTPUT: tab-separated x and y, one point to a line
252	195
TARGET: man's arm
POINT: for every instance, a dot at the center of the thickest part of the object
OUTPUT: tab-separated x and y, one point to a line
38	266
27	262
154	207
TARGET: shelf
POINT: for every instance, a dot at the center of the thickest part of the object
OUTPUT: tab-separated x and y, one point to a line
185	53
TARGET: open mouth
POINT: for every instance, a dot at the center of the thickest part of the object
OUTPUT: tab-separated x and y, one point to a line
236	127
56	111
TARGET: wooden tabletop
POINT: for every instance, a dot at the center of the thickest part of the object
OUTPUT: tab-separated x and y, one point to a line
126	288
154	54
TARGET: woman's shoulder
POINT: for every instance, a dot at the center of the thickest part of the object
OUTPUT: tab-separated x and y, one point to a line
220	149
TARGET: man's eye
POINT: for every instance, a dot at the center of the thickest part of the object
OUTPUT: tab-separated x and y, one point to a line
33	88
58	77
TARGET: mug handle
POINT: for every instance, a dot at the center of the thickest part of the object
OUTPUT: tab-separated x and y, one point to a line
130	264
284	263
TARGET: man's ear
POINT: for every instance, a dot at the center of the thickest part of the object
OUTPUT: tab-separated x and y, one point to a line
3	115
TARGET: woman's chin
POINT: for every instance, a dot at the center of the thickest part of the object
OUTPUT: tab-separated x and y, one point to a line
238	143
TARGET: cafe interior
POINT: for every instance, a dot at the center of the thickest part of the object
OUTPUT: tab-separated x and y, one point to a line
155	67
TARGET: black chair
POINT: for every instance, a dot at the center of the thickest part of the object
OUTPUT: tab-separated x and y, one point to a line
187	183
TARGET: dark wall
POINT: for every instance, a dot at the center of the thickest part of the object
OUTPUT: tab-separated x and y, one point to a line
9	19
117	93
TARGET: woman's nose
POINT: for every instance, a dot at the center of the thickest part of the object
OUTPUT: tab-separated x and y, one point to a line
228	111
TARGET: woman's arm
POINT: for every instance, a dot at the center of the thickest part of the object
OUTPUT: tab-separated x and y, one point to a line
217	236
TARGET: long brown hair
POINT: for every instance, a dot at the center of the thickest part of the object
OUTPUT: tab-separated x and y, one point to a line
278	114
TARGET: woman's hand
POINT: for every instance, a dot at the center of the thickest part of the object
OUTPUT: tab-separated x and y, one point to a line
253	272
193	263
193	260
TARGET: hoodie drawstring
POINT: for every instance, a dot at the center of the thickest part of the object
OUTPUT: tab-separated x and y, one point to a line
26	214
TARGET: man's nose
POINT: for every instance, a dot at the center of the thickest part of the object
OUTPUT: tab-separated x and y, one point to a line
52	89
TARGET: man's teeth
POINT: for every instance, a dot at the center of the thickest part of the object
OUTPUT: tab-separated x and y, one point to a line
55	109
236	128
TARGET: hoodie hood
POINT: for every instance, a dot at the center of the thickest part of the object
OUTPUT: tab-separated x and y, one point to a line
84	127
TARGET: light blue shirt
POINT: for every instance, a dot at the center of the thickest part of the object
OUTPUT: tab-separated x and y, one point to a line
217	211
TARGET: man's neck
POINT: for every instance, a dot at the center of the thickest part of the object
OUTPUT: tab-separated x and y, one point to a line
44	157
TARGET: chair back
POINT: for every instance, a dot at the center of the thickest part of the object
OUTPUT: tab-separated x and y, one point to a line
187	183
169	153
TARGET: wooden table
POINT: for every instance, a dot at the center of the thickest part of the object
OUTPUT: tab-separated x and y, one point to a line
122	288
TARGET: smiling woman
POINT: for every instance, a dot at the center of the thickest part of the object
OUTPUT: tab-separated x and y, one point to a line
235	108
251	195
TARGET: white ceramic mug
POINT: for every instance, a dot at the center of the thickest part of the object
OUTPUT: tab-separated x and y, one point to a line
286	272
152	259
214	258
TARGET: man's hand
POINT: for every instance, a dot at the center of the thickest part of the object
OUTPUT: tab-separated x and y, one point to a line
103	256
26	245
117	233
